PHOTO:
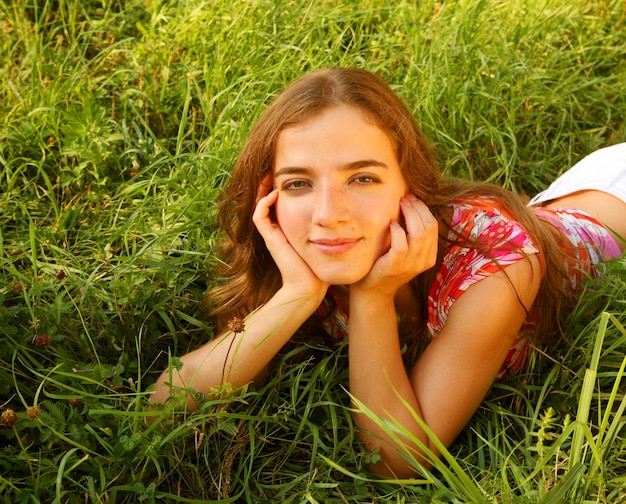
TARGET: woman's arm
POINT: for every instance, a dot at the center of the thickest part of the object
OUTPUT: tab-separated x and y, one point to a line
239	357
451	377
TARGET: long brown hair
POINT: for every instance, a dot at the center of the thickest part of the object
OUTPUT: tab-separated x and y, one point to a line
251	276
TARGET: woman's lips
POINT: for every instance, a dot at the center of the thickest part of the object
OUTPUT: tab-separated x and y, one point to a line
334	246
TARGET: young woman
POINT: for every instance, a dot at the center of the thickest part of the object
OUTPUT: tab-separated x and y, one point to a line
336	211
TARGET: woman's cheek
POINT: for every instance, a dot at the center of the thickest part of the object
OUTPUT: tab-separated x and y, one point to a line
283	214
386	235
386	241
401	219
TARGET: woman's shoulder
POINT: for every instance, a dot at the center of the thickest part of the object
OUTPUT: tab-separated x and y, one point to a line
483	239
484	222
483	204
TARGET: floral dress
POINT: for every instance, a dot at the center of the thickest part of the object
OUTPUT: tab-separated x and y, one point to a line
498	241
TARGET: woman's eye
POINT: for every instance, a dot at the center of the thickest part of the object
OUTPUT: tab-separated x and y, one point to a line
293	185
365	179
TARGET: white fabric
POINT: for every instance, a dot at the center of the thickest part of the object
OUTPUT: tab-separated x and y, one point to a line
602	170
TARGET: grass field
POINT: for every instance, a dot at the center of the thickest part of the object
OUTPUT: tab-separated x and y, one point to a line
120	121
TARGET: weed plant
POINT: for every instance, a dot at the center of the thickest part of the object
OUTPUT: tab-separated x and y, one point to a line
120	121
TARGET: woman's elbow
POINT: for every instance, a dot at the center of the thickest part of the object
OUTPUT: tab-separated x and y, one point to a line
393	464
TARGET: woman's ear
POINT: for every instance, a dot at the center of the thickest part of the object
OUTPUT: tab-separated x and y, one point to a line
265	187
267	182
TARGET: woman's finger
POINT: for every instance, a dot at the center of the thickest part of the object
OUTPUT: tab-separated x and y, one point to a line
418	218
422	230
398	240
262	213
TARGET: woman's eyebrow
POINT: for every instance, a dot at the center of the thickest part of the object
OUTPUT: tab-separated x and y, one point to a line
365	163
352	166
292	170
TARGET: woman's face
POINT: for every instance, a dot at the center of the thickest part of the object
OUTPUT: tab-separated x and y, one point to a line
340	187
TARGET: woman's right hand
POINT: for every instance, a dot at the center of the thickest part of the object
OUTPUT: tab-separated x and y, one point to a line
295	272
239	357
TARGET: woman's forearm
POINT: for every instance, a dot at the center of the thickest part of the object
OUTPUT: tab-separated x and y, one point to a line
238	357
378	379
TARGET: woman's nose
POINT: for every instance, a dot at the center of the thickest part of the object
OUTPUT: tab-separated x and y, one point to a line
331	207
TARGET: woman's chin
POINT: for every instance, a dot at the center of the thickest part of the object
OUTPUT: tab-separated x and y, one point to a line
340	277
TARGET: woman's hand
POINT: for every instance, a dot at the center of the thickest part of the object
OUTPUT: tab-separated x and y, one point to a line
411	252
296	273
239	357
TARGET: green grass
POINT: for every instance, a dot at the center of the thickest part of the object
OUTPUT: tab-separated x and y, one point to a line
120	122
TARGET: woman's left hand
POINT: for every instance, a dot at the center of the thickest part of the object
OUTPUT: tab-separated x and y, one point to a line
411	252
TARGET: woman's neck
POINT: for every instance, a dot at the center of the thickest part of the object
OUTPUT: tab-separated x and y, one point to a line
405	300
